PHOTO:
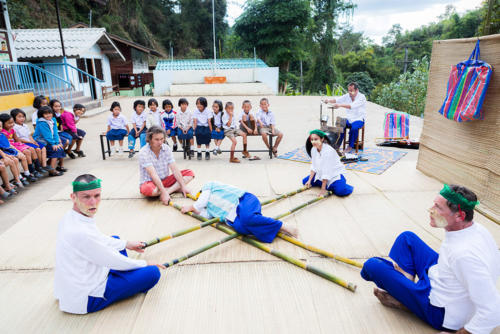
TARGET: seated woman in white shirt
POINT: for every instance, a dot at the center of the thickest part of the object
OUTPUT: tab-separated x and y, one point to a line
327	171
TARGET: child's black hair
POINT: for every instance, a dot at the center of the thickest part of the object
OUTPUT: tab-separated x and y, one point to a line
309	144
45	110
167	102
54	101
15	112
78	106
139	102
115	104
202	101
221	110
37	102
246	101
229	104
183	101
4	118
152	101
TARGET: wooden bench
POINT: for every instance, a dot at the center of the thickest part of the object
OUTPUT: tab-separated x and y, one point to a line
109	90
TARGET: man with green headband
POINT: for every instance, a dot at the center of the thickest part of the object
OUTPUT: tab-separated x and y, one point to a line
456	289
92	269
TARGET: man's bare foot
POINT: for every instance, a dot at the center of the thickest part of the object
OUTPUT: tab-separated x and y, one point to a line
398	268
387	300
290	231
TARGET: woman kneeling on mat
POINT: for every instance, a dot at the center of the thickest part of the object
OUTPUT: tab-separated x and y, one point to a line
239	209
327	171
92	269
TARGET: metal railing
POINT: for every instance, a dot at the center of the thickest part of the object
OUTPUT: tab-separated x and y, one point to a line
81	80
18	77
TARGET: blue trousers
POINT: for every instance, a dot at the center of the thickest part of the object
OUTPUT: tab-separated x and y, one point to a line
132	139
339	187
249	220
414	257
353	132
124	284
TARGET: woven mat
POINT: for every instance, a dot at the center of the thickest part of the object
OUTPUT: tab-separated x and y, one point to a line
378	159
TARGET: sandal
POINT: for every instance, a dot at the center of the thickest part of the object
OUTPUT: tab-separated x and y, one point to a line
55	173
80	153
254	158
275	152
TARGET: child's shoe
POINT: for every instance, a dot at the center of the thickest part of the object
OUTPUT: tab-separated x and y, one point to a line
207	155
24	181
131	154
219	151
214	151
198	156
246	154
61	169
31	178
80	153
175	147
70	154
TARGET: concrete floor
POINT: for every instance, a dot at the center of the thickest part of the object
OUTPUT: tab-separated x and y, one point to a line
233	287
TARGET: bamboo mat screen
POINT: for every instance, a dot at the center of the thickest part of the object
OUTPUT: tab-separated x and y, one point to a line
463	153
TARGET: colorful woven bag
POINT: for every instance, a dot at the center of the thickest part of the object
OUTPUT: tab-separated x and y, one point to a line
396	125
466	89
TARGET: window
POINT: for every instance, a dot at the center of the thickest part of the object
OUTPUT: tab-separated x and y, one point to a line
80	63
98	69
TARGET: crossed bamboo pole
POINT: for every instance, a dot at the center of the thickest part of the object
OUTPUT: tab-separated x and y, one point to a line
267	249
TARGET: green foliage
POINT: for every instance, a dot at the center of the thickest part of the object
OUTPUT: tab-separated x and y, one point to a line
408	92
363	80
490	12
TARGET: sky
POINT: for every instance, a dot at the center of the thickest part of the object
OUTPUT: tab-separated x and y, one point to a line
376	17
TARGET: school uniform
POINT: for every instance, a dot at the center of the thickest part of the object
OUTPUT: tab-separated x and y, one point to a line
92	270
327	166
153	118
46	132
139	121
248	122
24	132
232	130
267	119
118	127
218	125
6	147
202	131
239	209
184	122
170	122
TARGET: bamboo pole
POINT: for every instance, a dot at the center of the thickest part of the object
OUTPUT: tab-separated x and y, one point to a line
214	220
267	249
202	249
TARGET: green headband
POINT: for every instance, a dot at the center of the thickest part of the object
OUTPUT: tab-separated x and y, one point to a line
82	186
318	132
456	198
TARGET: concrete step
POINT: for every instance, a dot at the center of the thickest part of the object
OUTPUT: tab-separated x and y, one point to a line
242	89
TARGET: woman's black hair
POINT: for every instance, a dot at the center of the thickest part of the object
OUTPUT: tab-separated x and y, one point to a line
37	102
139	102
4	118
167	102
45	110
309	144
115	104
152	101
202	101
183	101
15	112
54	101
221	110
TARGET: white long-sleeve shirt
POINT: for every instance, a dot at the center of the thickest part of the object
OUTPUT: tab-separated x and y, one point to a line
358	107
464	280
84	257
326	164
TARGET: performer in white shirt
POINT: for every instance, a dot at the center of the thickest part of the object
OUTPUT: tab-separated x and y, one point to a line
92	270
355	103
327	171
456	289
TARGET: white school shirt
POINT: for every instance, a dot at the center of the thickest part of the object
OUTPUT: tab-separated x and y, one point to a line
326	164
203	117
153	118
22	131
218	119
138	119
464	280
184	119
358	107
84	257
225	119
119	122
201	206
240	117
34	117
267	118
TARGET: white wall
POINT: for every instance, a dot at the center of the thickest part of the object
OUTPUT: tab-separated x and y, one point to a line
164	79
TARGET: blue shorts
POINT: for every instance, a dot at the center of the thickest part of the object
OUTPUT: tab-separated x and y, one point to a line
116	134
173	132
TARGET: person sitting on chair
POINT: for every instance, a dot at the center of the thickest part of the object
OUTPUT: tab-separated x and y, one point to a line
355	103
456	288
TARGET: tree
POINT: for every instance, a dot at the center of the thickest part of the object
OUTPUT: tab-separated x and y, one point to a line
276	29
365	83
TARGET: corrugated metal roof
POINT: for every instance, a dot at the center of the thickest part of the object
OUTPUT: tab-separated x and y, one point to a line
46	43
207	64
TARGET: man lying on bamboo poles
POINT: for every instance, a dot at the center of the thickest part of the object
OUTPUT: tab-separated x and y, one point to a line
92	269
455	288
239	209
